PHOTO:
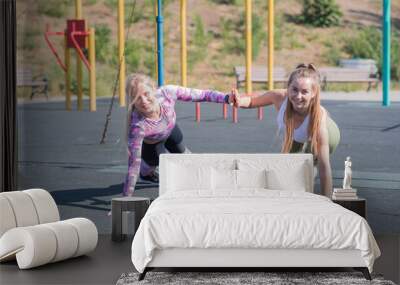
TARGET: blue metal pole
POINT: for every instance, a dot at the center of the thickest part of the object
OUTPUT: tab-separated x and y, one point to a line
386	54
160	53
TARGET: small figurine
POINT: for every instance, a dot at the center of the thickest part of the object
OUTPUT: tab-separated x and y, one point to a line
347	174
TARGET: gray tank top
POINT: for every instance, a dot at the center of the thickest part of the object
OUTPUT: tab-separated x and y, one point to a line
301	133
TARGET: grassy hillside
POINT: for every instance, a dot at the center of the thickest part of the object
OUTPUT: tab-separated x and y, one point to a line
215	38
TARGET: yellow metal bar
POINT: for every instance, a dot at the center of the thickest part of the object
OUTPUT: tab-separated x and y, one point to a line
121	45
79	15
78	9
183	44
248	46
92	71
79	75
155	40
270	44
67	59
79	80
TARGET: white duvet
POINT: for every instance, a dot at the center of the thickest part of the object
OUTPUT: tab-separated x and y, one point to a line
251	218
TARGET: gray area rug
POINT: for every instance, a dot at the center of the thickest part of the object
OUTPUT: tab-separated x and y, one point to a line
273	278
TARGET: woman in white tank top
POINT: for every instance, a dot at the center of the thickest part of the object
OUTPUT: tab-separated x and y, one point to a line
305	124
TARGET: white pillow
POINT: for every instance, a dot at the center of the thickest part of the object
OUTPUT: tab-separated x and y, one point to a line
223	179
281	174
231	180
294	180
251	178
188	177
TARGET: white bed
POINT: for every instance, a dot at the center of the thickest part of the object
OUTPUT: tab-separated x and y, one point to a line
247	210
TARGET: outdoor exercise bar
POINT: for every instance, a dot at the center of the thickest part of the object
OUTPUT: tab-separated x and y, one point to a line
386	54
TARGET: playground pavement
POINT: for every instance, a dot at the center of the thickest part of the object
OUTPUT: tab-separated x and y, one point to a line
59	150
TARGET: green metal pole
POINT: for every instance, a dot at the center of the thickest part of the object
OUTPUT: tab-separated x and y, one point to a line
386	54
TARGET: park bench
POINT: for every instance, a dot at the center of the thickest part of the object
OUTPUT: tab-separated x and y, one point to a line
259	74
37	84
347	75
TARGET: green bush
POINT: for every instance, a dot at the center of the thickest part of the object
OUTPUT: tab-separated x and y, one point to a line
133	50
332	55
113	4
74	81
278	30
368	44
29	38
233	34
142	9
320	13
295	44
28	43
85	85
139	12
139	57
258	33
132	57
149	63
90	2
200	37
53	8
228	36
55	76
103	33
232	37
198	46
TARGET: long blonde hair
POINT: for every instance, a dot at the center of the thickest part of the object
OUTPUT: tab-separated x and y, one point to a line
304	71
133	82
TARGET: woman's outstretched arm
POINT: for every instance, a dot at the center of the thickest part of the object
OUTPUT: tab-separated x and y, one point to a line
195	95
274	97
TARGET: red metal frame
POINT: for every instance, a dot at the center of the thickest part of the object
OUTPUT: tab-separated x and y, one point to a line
234	114
198	112
76	39
51	46
225	111
260	113
77	46
76	25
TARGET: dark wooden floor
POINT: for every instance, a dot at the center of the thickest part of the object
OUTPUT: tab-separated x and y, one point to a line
106	264
103	266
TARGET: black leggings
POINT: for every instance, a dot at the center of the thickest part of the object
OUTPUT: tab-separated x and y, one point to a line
151	152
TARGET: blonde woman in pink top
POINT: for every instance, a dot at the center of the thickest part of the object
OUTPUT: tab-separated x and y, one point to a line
151	122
